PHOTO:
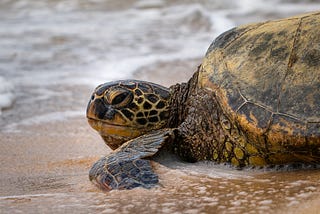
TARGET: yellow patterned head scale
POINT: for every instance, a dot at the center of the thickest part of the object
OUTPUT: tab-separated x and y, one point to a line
123	110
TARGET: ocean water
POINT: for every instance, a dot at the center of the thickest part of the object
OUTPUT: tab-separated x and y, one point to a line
52	55
58	42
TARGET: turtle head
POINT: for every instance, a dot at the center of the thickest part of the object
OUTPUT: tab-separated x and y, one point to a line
123	110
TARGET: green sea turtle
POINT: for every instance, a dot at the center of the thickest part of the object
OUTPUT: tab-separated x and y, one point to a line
254	101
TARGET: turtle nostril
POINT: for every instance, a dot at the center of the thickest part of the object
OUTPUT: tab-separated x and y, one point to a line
92	97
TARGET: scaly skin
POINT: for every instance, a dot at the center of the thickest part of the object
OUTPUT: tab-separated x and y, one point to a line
126	167
123	110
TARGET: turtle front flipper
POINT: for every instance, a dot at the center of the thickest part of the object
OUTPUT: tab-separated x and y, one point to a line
125	167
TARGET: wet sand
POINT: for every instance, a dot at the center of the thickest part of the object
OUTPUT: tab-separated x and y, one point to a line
44	169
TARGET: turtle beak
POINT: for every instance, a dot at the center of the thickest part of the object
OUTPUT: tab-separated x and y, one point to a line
114	135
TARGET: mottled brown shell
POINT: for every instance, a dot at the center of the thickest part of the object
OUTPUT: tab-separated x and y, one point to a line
266	77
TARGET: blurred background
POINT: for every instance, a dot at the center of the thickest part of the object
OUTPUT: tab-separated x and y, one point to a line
50	48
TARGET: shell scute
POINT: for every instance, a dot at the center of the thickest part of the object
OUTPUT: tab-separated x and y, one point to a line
267	73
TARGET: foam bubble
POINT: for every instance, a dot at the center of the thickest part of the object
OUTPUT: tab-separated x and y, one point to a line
6	94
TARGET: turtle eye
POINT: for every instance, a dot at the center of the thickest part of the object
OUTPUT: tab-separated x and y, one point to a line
119	97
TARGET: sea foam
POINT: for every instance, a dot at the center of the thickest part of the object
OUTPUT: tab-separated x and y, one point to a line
6	94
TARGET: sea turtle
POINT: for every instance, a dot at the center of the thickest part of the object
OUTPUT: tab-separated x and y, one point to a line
254	101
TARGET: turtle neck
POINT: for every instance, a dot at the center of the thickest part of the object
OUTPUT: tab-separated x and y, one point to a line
179	99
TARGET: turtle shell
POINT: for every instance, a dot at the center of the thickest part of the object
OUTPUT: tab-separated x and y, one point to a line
266	77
